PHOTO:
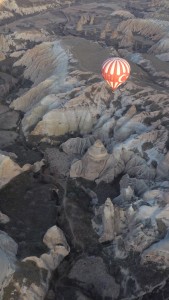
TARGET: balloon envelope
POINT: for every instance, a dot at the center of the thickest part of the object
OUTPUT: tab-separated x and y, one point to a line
115	71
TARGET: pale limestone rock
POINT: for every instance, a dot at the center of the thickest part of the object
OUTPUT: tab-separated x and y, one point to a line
153	195
37	166
105	125
33	35
77	145
54	237
143	227
100	97
8	250
32	117
135	165
158	253
8	170
127	193
134	118
33	292
140	238
59	122
5	43
92	163
34	101
82	21
9	43
26	167
46	66
120	221
55	240
99	131
146	212
101	166
13	6
4	218
38	261
108	222
26	101
43	61
53	259
153	29
17	53
113	221
158	98
97	151
155	135
104	31
127	129
123	13
40	102
125	197
156	138
6	15
79	114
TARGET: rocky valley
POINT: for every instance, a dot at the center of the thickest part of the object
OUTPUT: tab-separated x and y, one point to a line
84	170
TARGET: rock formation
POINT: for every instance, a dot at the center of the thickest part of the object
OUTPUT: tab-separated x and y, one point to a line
10	8
8	251
113	221
22	284
106	166
8	170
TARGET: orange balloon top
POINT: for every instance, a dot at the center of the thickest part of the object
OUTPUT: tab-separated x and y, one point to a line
115	71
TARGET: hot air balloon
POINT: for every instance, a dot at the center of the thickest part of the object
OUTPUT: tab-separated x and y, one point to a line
115	71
